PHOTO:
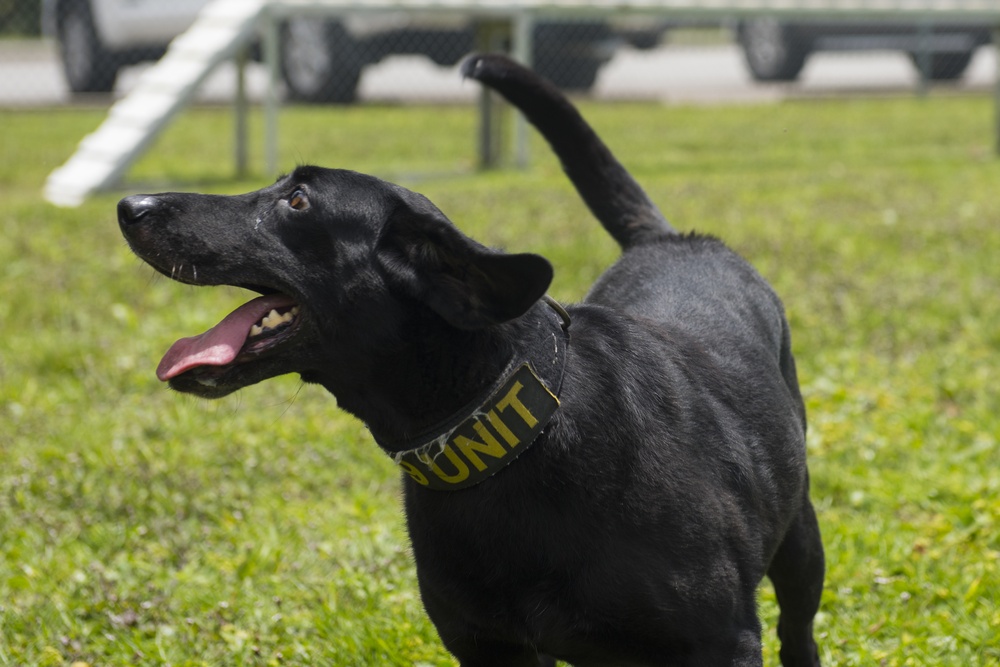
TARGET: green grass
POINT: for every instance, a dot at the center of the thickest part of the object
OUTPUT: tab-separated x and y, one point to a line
139	526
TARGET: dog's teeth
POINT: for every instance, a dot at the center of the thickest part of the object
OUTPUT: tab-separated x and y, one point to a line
273	320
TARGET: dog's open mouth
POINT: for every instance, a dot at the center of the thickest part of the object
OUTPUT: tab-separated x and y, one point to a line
246	333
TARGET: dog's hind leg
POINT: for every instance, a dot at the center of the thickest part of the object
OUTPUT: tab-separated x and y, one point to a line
797	574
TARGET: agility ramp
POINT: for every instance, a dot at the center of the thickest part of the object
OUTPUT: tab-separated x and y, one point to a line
221	29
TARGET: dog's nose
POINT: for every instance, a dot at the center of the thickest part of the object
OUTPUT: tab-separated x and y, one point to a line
133	209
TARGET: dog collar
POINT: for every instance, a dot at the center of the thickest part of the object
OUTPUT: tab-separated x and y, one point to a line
491	432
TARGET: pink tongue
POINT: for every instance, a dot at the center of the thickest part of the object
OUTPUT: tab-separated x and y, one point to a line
219	345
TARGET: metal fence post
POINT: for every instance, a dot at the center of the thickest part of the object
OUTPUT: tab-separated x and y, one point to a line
240	114
996	90
272	54
522	50
924	58
491	36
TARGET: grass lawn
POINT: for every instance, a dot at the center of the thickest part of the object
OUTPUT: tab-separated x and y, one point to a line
140	526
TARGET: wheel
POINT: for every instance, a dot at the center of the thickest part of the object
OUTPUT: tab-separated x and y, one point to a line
567	72
943	66
570	55
771	49
320	62
88	66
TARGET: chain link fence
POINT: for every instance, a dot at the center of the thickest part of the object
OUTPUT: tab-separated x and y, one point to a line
20	19
58	51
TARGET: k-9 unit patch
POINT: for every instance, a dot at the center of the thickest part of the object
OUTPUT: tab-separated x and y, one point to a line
491	437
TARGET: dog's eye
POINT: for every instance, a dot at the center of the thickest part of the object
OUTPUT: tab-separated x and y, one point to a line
298	201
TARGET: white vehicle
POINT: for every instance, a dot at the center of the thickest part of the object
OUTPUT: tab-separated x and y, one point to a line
777	50
321	60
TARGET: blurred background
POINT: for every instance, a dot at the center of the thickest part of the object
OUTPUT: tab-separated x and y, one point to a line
851	160
90	51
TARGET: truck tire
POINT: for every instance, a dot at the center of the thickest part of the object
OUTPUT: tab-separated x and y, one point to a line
569	54
568	72
87	65
947	66
772	51
320	61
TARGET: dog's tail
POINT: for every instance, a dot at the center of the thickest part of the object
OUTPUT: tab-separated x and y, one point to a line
614	197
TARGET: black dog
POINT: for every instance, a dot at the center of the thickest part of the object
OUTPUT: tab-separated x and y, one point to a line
603	487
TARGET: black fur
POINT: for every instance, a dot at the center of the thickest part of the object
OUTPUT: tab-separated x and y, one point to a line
670	481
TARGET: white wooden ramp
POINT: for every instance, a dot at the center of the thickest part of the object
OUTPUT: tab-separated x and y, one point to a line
221	29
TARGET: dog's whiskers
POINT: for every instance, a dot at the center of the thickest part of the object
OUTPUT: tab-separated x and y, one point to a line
290	401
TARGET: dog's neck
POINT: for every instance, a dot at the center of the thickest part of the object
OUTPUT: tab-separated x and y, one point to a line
434	381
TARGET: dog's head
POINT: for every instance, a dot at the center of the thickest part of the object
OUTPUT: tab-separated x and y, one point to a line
344	263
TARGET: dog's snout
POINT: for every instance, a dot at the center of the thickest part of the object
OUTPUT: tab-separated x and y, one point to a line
135	208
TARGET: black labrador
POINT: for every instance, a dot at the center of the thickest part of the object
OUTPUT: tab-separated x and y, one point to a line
603	486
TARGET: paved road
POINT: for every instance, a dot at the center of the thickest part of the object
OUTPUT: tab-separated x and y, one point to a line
30	76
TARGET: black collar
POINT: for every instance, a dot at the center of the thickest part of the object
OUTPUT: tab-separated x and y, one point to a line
493	430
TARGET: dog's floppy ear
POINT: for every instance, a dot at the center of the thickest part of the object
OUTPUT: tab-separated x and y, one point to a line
468	284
